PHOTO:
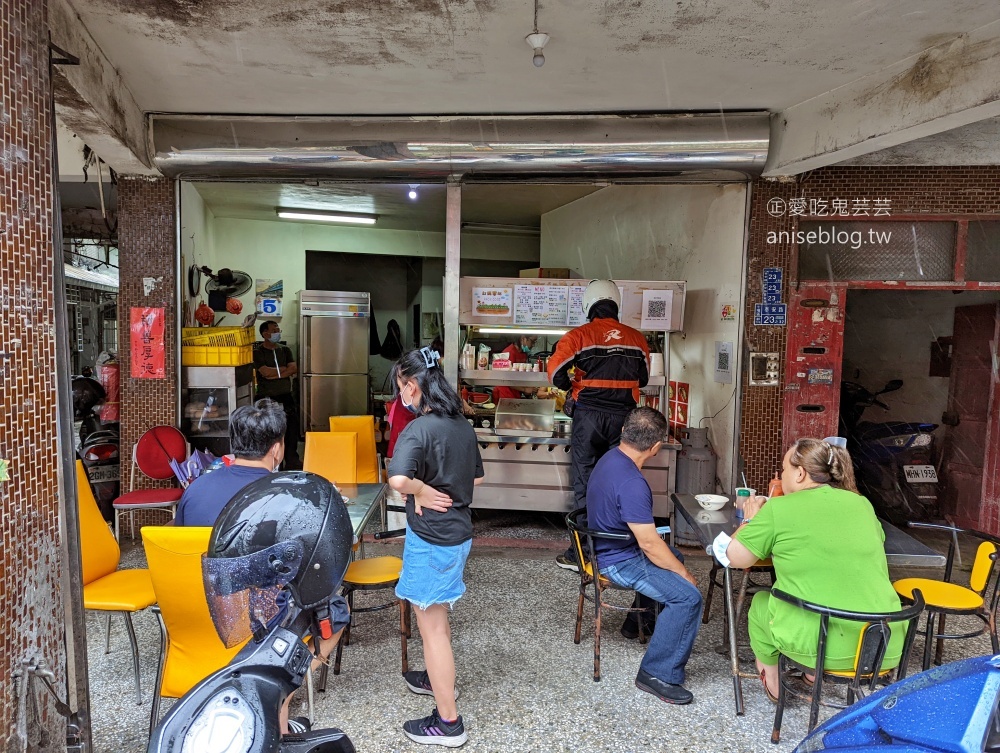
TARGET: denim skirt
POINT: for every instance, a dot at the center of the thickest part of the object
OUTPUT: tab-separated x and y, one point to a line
432	574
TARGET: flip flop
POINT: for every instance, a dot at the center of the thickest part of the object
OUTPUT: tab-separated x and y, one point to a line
767	691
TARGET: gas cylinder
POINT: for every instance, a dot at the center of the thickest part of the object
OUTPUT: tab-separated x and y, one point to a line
696	467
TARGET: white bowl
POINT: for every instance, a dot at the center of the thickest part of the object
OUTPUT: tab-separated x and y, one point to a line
711	517
711	502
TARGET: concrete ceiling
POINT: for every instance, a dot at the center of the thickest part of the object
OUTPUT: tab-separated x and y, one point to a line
517	205
842	79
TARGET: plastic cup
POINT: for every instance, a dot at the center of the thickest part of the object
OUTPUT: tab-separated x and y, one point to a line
743	495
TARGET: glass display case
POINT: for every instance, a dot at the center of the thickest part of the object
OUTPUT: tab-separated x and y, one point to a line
208	395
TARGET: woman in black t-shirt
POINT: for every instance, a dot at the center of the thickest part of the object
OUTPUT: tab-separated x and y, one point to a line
436	464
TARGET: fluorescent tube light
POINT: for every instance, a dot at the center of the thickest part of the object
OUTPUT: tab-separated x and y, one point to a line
500	228
520	331
340	217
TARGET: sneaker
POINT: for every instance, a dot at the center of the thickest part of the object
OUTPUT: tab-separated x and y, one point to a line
665	691
420	683
432	731
299	725
567	563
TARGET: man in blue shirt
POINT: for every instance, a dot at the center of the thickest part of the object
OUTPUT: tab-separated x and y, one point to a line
619	500
257	439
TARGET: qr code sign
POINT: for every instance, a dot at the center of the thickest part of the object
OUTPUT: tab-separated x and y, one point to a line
722	361
656	309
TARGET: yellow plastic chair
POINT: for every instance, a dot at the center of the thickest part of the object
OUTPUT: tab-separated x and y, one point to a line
105	587
367	457
943	598
332	455
190	648
374	574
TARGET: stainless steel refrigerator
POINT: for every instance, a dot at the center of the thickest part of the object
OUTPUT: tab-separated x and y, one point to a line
333	340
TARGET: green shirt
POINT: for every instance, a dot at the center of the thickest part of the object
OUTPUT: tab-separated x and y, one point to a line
827	546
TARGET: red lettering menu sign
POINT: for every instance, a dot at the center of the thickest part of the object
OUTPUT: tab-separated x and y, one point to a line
148	350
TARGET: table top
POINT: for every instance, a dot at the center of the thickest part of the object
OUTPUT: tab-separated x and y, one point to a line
901	549
362	502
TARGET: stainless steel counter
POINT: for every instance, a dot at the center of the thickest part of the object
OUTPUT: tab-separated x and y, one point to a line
533	473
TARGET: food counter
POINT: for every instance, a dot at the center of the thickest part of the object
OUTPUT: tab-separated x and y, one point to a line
532	473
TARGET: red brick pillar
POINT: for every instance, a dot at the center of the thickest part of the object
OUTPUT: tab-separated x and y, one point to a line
147	258
31	610
761	419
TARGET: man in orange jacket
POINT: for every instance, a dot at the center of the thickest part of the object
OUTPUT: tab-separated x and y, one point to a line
611	363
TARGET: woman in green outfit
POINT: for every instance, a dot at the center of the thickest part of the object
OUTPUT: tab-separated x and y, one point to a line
827	548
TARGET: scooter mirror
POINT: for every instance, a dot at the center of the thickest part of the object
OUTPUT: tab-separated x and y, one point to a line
892	386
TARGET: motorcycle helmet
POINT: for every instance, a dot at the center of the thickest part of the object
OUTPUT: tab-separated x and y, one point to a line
601	290
285	535
87	394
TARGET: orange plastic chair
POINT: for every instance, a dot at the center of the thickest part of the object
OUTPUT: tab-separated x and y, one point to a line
367	457
152	455
190	647
105	587
332	455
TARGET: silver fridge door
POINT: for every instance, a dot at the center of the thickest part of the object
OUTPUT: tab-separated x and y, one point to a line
332	395
334	345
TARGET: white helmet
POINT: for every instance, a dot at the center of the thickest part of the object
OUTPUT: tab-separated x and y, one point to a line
601	290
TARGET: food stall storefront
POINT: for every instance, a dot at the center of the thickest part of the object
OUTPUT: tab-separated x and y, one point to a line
525	443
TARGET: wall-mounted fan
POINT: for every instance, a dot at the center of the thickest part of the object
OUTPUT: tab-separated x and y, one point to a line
230	283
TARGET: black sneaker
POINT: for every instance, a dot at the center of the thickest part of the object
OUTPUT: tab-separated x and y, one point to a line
567	563
665	691
299	725
431	730
420	683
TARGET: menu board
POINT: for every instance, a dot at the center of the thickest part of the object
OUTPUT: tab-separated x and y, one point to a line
491	301
540	305
576	315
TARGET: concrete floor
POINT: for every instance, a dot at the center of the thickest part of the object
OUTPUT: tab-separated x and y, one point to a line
525	685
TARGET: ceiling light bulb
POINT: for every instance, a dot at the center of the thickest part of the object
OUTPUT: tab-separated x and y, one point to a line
412	194
537	42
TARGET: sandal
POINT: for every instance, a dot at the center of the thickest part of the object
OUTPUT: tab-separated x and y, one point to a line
767	691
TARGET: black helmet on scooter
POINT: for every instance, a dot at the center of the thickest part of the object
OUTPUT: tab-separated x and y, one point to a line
288	533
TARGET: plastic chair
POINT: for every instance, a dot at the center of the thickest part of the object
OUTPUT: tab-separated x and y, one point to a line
868	663
105	587
190	648
368	462
583	541
374	574
332	455
152	455
943	597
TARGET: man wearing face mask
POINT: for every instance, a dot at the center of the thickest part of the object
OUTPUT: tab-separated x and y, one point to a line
276	368
256	436
518	351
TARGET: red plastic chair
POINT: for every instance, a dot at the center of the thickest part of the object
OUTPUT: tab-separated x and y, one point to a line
152	455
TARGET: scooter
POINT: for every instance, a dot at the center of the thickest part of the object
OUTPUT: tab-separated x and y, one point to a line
893	461
235	710
948	708
99	443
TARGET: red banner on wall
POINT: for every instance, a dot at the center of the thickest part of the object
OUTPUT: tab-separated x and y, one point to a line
148	350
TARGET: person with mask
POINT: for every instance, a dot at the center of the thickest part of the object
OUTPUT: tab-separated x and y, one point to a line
276	368
518	352
611	364
436	466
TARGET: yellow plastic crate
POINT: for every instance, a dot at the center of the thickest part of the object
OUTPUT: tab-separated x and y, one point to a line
230	337
210	355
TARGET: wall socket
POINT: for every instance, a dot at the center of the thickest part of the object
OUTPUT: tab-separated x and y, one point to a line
765	369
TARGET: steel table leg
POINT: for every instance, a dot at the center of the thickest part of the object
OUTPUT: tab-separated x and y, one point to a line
734	658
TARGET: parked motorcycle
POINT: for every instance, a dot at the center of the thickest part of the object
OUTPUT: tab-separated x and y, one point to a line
893	460
99	443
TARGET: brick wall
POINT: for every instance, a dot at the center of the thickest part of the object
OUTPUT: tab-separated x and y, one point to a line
30	566
147	249
910	190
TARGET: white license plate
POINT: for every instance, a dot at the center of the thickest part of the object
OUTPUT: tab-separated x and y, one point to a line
920	474
99	474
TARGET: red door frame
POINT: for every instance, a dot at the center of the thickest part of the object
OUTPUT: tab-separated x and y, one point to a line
831	398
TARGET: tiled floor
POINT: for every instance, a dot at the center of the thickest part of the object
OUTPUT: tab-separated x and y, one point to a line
525	685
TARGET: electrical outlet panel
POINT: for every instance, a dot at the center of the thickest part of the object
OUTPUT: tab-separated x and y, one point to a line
765	369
